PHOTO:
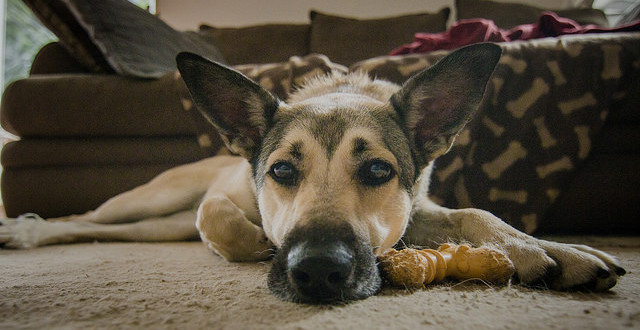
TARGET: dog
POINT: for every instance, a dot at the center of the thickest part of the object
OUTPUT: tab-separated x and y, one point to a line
322	182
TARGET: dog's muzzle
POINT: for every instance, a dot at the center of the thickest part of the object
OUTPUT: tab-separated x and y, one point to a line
324	263
321	272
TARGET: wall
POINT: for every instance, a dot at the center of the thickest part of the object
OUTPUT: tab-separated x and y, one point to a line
189	14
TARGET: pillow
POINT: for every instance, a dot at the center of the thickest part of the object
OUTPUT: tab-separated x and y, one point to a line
55	15
509	15
269	43
630	14
117	36
348	40
553	4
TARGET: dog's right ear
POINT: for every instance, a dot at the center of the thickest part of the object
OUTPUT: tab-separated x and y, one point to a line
240	109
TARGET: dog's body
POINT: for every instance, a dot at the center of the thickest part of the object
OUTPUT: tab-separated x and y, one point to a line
325	180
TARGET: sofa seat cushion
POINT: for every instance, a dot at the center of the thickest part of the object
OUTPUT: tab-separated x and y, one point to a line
618	138
57	191
29	153
602	198
94	105
55	177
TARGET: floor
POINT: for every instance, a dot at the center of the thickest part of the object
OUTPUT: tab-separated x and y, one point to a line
184	286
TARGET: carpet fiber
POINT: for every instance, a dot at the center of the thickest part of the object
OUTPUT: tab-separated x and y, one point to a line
182	285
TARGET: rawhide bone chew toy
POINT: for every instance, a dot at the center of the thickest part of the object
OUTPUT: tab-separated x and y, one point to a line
414	268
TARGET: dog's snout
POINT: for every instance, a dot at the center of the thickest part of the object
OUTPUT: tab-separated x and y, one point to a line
324	262
321	272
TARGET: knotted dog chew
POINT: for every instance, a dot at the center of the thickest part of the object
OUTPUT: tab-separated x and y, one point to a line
416	268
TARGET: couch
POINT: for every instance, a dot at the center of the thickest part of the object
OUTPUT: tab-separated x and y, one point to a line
554	147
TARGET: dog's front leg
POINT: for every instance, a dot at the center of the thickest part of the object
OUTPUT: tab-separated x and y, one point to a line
175	190
226	230
537	262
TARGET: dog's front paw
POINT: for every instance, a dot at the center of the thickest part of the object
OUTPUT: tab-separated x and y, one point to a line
563	266
23	232
226	231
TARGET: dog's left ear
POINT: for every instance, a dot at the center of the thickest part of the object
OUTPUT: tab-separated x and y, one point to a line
435	104
240	109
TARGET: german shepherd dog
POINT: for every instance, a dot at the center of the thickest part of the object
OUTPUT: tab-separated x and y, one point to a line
323	181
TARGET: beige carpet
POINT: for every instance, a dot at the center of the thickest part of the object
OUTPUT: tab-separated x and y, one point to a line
183	286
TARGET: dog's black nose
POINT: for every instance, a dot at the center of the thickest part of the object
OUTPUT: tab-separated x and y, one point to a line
324	262
321	272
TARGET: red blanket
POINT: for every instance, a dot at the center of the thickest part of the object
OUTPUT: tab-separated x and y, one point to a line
469	31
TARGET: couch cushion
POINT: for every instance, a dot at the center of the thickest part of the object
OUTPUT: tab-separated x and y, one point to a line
54	58
618	138
60	152
348	40
57	191
117	36
94	105
269	43
54	177
508	15
602	198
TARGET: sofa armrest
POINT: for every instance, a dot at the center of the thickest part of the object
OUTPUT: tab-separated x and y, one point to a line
71	104
53	58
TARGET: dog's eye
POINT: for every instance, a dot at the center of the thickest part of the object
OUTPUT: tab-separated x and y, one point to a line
284	173
376	172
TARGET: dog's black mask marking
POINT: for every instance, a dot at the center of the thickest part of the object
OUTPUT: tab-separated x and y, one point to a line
324	262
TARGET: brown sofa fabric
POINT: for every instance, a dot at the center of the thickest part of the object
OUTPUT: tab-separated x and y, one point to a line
348	40
603	196
54	58
58	191
94	105
618	138
270	43
509	15
601	199
29	153
54	177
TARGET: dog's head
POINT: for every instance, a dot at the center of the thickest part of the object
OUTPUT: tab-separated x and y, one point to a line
335	167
